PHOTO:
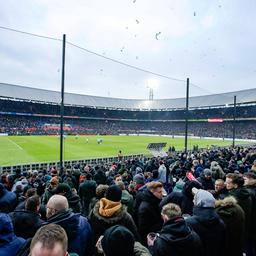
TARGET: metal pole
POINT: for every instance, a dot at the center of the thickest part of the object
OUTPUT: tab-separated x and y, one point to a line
186	124
62	102
234	122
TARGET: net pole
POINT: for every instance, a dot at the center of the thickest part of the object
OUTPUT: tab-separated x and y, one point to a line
62	102
186	122
234	123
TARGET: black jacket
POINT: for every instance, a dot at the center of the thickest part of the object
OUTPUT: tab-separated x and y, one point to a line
25	223
149	215
211	230
244	199
177	239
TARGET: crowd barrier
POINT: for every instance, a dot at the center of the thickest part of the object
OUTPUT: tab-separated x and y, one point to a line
67	163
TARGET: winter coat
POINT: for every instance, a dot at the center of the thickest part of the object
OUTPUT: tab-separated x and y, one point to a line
252	190
101	223
177	239
78	230
162	173
87	190
233	216
25	223
49	192
149	215
8	200
244	199
127	200
140	250
9	242
207	184
184	199
211	230
181	199
100	177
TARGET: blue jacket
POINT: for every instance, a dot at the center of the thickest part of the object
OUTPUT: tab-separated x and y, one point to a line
8	200
78	230
9	242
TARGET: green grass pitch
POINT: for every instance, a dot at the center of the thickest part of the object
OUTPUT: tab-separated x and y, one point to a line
32	149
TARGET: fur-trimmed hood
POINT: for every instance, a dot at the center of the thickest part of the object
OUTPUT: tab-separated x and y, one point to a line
227	201
118	216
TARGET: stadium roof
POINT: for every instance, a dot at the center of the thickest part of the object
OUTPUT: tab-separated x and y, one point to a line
40	95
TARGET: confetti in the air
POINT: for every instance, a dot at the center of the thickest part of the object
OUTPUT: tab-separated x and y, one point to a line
157	35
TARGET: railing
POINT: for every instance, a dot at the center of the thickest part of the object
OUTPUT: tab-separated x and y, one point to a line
47	165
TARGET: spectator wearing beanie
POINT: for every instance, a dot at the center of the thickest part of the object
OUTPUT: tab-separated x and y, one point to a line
109	211
87	190
207	224
206	180
73	199
118	240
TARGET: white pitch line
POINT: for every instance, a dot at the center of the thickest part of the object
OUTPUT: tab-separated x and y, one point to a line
14	143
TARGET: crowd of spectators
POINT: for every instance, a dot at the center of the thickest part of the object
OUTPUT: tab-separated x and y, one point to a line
21	125
197	203
172	114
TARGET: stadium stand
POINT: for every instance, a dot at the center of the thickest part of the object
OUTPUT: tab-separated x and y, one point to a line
27	111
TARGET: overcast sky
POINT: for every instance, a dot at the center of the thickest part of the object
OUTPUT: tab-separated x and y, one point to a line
212	42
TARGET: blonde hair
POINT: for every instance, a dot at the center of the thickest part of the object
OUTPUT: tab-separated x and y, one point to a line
153	185
171	210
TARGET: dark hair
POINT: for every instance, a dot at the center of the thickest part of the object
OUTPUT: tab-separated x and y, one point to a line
32	203
236	179
250	175
88	176
49	235
29	191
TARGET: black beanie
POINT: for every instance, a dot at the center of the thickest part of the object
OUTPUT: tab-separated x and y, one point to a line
118	240
114	193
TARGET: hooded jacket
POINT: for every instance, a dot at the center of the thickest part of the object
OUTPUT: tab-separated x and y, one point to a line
252	190
177	239
233	216
9	242
25	223
244	199
101	223
211	230
8	200
78	230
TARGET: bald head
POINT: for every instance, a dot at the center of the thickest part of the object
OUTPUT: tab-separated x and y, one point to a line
56	204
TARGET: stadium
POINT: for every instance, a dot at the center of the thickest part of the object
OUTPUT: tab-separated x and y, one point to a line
127	128
30	115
